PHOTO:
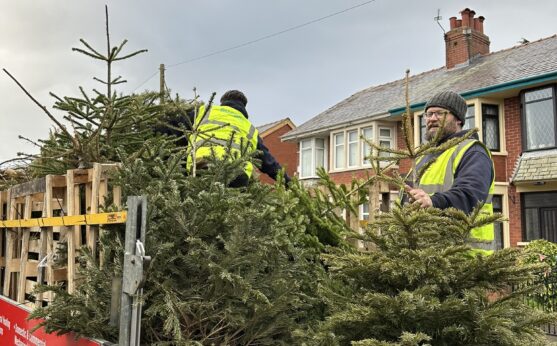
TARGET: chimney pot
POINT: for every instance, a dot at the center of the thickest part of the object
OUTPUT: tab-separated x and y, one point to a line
481	24
452	20
458	23
465	17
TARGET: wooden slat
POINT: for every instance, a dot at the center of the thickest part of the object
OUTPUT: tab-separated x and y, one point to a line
24	251
73	232
30	267
92	198
28	188
10	244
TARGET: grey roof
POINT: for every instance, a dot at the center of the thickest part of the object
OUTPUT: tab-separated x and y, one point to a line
516	63
536	166
263	128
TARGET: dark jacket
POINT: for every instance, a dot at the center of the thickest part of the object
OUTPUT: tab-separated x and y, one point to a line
472	179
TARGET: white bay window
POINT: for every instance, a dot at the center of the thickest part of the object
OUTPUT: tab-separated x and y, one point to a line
350	149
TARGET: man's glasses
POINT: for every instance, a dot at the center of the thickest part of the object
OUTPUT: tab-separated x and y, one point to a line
438	114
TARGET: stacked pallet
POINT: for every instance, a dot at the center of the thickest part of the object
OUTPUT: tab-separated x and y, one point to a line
45	222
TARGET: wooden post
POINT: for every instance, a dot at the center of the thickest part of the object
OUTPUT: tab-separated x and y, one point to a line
10	243
93	200
25	232
162	84
2	232
47	210
71	230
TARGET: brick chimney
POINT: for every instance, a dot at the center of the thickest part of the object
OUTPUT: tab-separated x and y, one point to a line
465	40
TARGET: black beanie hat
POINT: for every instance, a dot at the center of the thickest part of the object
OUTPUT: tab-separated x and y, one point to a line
450	101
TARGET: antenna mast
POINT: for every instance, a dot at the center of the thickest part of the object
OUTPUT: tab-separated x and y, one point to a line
438	18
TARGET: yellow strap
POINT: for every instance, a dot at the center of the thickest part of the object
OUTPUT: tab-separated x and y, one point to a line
73	220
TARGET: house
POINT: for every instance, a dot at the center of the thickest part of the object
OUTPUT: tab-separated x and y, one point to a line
511	96
284	152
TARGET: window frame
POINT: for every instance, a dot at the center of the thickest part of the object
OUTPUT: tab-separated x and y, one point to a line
334	149
497	127
523	209
524	124
360	164
380	138
364	145
358	159
313	149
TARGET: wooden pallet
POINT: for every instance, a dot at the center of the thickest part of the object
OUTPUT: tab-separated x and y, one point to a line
31	247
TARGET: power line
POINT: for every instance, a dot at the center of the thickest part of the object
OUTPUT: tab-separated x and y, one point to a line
262	38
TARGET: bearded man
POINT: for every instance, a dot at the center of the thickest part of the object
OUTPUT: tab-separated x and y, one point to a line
462	176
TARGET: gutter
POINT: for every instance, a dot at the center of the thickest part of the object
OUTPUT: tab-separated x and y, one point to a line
286	137
515	84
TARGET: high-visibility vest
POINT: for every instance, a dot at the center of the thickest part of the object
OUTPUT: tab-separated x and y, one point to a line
439	177
222	126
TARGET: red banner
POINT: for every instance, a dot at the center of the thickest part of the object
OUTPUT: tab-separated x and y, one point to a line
16	330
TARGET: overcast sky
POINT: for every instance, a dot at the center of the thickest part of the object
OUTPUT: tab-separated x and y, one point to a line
297	74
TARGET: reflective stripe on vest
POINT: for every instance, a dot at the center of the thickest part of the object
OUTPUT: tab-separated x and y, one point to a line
439	177
220	128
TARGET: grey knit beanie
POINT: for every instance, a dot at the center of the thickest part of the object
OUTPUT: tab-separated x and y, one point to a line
450	101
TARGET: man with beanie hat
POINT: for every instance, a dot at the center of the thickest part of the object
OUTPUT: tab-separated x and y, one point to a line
232	113
469	180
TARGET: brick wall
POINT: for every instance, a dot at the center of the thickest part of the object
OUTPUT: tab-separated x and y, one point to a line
286	153
500	163
513	137
346	177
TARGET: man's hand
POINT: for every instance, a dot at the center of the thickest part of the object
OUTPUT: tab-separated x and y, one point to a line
418	196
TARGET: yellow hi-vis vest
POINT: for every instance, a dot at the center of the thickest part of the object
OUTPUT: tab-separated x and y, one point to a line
439	177
215	130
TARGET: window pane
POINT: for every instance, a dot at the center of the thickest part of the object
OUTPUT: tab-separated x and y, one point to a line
364	211
319	158
366	148
320	143
498	225
470	122
538	95
339	139
352	148
386	144
305	144
499	240
339	150
540	125
422	129
384	132
306	163
532	224
491	132
497	203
